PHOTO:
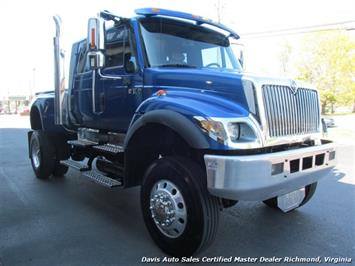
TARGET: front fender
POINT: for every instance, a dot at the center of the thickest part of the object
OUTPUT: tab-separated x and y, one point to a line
176	110
185	127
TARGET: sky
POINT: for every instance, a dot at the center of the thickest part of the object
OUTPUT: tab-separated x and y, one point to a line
27	30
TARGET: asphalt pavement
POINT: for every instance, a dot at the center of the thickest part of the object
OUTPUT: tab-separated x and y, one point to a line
72	221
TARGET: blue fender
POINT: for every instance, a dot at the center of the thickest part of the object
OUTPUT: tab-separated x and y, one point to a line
177	109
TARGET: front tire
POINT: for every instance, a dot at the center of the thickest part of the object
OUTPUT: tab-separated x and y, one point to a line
180	214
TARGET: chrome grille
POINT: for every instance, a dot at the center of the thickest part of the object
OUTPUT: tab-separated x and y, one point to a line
288	113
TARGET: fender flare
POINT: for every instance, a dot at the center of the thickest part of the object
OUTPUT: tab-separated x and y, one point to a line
37	108
189	131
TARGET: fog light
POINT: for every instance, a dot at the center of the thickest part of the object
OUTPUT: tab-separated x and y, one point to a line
277	168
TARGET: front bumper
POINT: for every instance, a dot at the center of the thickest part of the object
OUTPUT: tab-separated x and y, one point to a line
263	176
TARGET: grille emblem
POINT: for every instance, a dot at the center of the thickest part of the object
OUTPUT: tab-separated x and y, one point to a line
293	87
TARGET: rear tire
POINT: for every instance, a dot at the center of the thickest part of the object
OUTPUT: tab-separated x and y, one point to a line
180	214
42	154
310	189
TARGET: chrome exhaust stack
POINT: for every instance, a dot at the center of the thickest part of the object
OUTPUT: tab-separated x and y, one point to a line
59	73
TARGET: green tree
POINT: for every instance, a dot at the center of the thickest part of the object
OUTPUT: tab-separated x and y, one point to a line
327	60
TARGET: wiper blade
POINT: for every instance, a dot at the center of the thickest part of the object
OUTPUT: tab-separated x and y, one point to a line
177	65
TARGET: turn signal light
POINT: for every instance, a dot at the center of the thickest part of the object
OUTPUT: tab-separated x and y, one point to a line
161	92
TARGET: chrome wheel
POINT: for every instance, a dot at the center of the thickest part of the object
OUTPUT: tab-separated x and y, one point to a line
180	214
35	154
168	208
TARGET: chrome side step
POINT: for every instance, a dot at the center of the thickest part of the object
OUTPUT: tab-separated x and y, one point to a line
109	148
93	174
102	179
76	165
82	143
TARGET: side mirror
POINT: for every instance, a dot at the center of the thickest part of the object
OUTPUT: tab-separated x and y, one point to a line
129	63
130	67
96	43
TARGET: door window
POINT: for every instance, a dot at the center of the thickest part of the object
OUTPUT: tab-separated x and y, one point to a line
80	67
118	49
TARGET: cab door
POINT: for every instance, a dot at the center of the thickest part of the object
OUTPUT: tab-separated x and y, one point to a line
121	83
80	109
107	98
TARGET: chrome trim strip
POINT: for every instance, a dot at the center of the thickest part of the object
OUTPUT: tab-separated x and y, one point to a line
83	73
106	76
114	67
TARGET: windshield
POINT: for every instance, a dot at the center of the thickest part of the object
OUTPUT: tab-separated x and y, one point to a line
173	43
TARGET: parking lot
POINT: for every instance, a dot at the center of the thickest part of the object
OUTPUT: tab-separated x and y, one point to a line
72	221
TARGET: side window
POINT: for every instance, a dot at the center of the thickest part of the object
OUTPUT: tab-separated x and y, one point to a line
118	50
216	55
130	52
117	47
211	56
80	67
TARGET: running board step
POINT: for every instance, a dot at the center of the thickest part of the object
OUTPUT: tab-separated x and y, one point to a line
109	148
76	165
102	179
82	143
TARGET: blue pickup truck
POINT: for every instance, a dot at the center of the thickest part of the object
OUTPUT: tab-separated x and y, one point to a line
160	100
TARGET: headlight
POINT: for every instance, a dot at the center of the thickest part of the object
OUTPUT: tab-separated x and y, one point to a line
234	131
238	133
215	129
241	132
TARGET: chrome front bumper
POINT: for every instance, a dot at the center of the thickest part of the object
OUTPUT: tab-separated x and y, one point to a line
263	176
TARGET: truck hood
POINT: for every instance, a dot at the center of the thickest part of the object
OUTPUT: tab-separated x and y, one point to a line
223	85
